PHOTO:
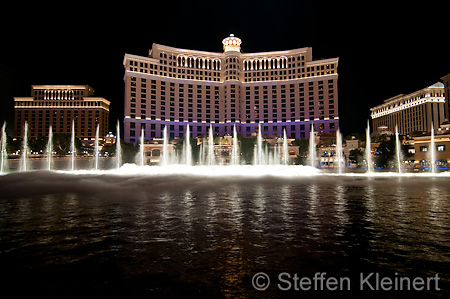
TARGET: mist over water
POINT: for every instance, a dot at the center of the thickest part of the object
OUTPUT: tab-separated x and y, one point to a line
172	235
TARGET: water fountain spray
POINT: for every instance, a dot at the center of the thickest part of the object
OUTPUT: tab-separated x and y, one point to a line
398	150
141	148
432	150
165	157
118	147
312	147
96	148
4	156
188	149
211	157
285	149
260	151
368	150
49	148
72	147
24	158
235	153
339	156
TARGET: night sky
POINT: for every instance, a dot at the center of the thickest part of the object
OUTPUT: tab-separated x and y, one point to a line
385	47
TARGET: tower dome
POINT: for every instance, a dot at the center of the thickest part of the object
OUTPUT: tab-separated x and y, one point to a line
232	43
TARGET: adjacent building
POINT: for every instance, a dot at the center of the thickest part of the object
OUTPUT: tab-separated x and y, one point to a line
422	149
328	158
414	112
278	90
57	106
446	82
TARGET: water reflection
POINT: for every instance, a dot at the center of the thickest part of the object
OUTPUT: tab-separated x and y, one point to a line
211	218
186	209
286	207
214	235
235	208
162	217
369	202
234	265
438	221
259	210
341	210
313	202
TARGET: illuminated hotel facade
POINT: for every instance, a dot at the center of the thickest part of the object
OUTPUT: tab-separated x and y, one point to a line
57	106
275	90
414	112
446	82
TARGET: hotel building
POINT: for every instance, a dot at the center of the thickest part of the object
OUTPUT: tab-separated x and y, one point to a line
411	112
422	150
278	90
446	81
57	106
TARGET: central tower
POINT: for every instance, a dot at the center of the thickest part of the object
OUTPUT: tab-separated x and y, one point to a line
232	43
232	53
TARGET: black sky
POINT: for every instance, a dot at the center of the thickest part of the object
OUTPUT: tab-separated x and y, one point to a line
385	47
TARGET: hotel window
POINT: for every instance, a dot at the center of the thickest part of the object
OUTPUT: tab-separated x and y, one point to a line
441	148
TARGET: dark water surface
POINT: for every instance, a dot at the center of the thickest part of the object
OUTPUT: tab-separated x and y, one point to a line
175	236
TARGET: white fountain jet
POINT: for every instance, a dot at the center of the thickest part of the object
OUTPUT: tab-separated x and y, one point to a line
24	158
96	147
141	148
398	150
235	153
72	147
118	147
49	148
4	155
274	159
285	149
259	147
211	157
201	154
312	147
368	149
432	151
165	156
339	156
187	147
